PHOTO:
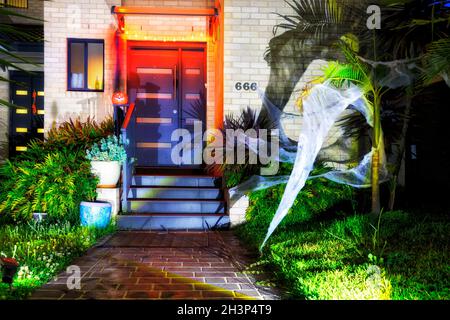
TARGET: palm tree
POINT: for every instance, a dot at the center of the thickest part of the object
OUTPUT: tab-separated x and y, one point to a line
315	24
413	31
358	72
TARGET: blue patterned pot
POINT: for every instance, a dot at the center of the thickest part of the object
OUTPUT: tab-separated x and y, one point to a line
95	214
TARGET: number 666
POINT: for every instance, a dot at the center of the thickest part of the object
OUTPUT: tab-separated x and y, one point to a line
246	86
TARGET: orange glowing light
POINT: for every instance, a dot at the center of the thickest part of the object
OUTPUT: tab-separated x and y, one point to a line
119	98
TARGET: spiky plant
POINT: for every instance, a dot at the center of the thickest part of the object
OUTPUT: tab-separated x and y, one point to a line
80	132
248	119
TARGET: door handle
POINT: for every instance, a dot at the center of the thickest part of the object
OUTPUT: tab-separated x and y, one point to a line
175	82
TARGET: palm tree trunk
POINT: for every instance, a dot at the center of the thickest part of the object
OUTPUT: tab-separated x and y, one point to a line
376	208
401	151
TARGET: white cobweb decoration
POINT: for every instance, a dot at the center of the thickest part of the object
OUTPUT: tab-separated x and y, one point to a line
321	109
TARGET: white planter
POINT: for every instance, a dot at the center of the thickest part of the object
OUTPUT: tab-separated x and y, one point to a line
39	216
108	173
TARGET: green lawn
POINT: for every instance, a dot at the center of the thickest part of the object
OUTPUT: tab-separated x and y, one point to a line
338	256
42	251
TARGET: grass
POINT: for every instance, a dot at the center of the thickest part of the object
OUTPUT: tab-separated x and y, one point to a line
43	250
400	256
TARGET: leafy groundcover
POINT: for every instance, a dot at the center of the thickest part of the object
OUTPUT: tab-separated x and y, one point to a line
42	252
320	253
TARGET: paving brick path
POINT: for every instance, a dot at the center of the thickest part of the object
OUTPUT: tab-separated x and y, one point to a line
150	265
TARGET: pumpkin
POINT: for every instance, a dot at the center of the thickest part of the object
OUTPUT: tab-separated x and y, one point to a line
119	98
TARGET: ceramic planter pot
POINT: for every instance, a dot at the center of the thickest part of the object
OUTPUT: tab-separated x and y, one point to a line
39	216
9	269
95	214
108	173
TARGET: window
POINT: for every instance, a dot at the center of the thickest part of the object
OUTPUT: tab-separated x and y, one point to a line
22	4
85	68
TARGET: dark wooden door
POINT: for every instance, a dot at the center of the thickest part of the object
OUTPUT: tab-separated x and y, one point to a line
27	118
167	85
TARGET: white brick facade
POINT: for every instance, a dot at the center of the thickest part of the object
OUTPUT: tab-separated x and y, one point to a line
84	19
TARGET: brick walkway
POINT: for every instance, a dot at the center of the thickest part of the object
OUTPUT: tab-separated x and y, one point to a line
150	265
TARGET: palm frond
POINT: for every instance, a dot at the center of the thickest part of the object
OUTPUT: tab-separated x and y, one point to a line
343	74
310	16
437	60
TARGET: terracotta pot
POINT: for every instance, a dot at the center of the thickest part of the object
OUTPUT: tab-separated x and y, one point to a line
9	269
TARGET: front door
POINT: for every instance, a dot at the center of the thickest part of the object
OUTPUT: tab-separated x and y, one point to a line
167	84
27	118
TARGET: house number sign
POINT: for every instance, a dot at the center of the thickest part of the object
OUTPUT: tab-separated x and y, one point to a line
246	86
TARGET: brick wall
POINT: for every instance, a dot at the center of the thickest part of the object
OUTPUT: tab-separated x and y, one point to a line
248	30
83	19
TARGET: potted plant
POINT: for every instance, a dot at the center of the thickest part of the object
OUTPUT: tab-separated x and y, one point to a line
106	159
95	214
9	268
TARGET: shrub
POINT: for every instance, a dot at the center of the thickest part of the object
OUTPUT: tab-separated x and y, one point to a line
248	119
74	135
79	134
52	176
108	149
55	185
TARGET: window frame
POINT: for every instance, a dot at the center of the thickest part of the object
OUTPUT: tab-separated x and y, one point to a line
86	43
5	4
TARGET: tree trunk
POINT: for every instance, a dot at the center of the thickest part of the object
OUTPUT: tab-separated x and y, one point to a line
375	182
376	208
401	150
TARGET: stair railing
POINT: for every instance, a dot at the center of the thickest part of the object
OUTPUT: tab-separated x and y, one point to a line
129	141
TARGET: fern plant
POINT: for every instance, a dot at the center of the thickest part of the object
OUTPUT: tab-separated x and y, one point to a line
55	184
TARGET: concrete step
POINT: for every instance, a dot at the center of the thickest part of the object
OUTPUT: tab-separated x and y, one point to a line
177	206
171	222
206	193
176	181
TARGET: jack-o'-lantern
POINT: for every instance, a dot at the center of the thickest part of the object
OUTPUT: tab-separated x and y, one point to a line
119	98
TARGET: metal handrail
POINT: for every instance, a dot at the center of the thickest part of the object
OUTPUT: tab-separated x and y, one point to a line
128	139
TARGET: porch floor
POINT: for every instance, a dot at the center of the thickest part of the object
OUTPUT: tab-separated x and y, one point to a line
163	265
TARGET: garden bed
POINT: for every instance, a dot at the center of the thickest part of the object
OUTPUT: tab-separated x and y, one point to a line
336	256
42	252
